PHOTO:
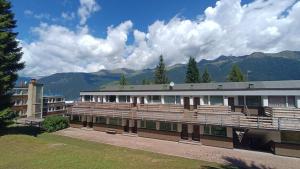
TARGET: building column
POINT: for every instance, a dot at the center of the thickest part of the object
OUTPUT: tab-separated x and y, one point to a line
99	98
162	99
179	127
104	99
107	120
229	132
265	101
181	100
201	100
297	100
117	99
138	100
124	122
201	129
190	131
236	100
82	98
94	119
131	99
145	100
191	102
157	125
225	100
139	123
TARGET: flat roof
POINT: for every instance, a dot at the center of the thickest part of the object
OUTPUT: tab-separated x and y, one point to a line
252	85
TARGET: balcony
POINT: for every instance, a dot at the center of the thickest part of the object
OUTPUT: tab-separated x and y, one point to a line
213	115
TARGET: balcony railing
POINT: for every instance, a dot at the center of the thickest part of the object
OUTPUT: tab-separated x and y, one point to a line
166	113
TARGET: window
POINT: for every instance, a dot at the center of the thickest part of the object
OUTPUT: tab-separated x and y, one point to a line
205	100
216	100
115	121
76	118
174	126
111	99
277	101
124	99
143	124
291	101
172	99
101	120
215	131
154	99
241	100
165	126
253	100
150	125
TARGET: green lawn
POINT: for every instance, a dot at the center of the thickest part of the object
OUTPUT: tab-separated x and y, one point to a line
52	151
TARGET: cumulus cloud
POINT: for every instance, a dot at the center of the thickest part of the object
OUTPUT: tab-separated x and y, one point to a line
68	15
87	7
228	28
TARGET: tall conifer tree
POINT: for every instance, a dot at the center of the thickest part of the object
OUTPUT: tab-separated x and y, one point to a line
10	56
192	72
206	76
123	80
235	75
160	75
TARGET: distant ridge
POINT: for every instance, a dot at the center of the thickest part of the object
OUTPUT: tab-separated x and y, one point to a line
284	65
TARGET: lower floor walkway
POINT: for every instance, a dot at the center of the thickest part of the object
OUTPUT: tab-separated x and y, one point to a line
200	152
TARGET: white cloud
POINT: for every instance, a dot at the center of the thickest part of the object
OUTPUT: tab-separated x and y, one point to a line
87	7
228	28
68	15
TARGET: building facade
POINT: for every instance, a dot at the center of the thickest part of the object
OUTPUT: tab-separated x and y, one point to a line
252	115
29	101
54	105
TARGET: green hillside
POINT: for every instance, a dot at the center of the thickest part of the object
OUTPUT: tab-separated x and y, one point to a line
278	66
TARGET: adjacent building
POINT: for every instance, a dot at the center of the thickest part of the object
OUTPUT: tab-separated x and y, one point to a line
261	115
30	102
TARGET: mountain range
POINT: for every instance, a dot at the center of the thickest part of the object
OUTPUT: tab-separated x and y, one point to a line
257	66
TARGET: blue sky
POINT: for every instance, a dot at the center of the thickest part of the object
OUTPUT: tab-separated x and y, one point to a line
89	35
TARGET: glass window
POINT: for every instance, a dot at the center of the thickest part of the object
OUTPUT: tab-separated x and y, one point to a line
277	101
291	101
207	129
165	126
156	99
205	100
124	99
170	99
174	126
218	131
76	118
150	124
290	137
111	99
253	100
241	100
115	121
101	120
216	100
143	124
178	100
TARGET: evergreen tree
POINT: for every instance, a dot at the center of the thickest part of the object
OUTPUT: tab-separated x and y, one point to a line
235	75
123	80
146	82
160	76
206	77
10	56
192	72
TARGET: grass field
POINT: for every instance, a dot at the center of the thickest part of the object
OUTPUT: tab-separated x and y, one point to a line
53	151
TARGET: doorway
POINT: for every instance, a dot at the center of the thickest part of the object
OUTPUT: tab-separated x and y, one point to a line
184	132
134	128
186	102
134	101
126	127
142	100
231	103
196	102
196	133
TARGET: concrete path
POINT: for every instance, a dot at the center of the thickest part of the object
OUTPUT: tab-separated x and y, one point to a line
242	158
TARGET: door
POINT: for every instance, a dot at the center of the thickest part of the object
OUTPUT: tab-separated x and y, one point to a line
186	103
134	128
231	103
134	101
196	133
196	102
142	100
126	127
184	132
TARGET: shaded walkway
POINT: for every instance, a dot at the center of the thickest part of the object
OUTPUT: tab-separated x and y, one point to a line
242	158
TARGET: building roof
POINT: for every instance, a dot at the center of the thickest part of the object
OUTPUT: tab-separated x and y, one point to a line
253	85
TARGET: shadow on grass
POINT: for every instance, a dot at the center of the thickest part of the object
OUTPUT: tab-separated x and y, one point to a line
25	130
234	163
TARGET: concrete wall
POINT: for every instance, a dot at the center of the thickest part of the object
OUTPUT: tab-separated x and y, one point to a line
224	142
287	149
76	124
162	135
105	127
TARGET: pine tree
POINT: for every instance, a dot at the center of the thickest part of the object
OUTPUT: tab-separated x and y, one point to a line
10	56
146	82
206	77
192	72
235	75
123	80
160	76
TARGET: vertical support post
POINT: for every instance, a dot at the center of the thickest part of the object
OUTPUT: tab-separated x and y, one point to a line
162	99
225	100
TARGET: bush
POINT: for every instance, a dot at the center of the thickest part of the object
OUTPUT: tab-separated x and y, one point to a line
6	116
55	123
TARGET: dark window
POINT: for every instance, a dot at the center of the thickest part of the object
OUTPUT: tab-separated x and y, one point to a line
150	124
215	131
241	100
291	101
165	126
115	121
253	100
290	137
76	118
101	120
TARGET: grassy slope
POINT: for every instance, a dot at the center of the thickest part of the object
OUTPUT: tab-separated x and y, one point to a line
52	151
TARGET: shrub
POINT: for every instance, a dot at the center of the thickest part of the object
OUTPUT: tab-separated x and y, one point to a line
55	123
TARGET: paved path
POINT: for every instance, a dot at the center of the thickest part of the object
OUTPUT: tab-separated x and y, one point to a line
199	152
